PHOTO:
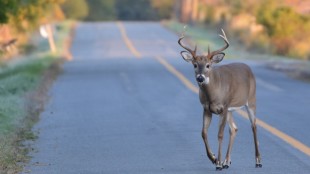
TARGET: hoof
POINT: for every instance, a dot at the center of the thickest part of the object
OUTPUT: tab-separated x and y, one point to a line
219	165
258	162
218	168
214	159
225	166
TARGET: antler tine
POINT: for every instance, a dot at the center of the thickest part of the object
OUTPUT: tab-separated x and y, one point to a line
222	49
193	52
224	36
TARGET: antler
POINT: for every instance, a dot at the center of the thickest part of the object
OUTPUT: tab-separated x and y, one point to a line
222	49
193	52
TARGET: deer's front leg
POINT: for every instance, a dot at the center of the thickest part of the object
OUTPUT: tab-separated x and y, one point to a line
207	117
222	123
232	131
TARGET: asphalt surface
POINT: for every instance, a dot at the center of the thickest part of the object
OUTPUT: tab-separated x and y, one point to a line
111	112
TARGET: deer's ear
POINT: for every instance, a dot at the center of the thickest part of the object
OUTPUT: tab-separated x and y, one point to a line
186	56
218	57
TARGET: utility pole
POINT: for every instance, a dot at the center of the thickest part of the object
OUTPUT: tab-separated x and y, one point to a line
47	32
51	38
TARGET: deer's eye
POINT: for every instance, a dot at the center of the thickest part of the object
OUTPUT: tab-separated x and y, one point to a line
208	66
195	65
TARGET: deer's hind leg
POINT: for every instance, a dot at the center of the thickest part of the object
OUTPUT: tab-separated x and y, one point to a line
251	113
232	132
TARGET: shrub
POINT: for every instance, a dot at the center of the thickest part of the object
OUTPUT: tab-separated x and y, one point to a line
288	30
75	9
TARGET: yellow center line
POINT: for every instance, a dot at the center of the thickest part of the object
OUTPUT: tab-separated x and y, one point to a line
127	41
179	75
288	139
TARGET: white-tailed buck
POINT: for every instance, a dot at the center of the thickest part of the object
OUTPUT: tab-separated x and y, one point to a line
223	89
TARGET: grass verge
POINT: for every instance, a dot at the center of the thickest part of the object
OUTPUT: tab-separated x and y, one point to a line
24	83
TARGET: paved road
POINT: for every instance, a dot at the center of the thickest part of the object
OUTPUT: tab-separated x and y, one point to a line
111	112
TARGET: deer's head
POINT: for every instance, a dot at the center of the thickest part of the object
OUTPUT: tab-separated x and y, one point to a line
203	63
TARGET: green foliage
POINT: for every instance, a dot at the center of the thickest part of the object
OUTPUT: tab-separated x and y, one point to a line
242	6
6	7
23	16
163	8
135	10
210	15
266	25
29	14
101	10
287	29
265	15
129	10
75	9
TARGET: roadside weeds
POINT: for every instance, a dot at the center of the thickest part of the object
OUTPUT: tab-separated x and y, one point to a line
23	92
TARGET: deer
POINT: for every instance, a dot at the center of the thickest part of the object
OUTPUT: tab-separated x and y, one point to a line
222	90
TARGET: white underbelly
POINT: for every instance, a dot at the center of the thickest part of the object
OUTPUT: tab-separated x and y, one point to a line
230	109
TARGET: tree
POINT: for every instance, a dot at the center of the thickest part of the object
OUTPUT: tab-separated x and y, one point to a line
163	8
286	28
27	15
6	8
129	9
75	9
135	10
101	10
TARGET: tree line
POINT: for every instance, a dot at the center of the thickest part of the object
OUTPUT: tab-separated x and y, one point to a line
19	18
25	15
97	10
266	25
272	26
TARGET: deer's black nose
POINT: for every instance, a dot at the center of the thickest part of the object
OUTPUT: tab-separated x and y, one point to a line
200	79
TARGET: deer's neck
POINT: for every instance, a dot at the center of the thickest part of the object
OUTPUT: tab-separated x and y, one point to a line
214	81
213	89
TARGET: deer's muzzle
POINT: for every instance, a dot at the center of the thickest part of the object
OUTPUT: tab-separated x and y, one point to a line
200	78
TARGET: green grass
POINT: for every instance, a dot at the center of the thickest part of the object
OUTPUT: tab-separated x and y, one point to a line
14	84
21	81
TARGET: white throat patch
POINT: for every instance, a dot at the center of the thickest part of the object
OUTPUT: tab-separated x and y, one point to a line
207	80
